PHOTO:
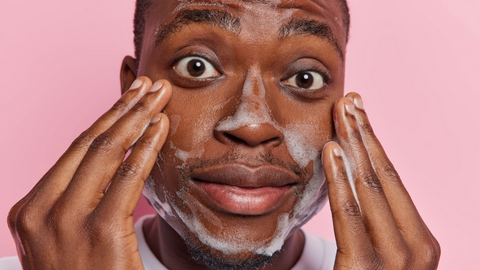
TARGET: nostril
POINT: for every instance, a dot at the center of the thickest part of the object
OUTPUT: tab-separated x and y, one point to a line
233	138
251	135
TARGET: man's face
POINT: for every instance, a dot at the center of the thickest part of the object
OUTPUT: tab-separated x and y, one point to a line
254	83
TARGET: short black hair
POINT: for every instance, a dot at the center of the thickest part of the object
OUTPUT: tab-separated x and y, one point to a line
142	7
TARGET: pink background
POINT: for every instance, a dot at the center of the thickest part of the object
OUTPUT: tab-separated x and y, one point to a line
416	63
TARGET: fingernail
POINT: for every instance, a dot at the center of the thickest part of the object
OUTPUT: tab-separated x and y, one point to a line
337	152
350	108
155	119
136	84
156	86
358	102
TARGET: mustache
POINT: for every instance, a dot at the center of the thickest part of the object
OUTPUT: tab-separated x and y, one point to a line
234	156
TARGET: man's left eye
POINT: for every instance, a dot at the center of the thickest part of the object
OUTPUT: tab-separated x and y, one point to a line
196	67
309	80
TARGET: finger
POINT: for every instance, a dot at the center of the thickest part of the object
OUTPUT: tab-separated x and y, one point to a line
350	232
403	208
108	150
376	212
55	181
127	184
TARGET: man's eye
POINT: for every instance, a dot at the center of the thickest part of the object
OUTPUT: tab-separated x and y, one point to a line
196	67
309	80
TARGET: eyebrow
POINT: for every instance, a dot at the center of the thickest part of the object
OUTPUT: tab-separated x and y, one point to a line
311	27
218	18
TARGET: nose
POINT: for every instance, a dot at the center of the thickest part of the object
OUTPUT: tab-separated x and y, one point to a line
251	135
252	123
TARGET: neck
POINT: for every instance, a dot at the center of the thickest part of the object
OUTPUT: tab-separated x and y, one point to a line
170	248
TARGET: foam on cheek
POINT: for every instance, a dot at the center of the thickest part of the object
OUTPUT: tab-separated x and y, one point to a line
185	155
308	205
198	210
310	202
298	139
164	209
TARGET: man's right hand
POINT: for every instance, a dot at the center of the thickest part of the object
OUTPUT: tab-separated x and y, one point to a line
80	214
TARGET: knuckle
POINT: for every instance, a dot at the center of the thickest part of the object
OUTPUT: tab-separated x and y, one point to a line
12	216
11	220
389	172
366	127
104	142
120	106
430	255
404	259
370	261
146	141
83	141
352	209
128	170
372	182
25	221
140	107
61	219
356	135
98	228
341	174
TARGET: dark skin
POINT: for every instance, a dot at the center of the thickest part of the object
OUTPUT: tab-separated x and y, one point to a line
69	221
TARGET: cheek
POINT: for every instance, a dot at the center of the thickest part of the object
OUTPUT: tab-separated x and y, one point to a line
305	133
305	141
191	128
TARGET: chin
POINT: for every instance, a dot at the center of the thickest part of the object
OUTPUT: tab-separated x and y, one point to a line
219	260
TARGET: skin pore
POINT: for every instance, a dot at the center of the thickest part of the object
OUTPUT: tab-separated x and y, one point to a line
268	75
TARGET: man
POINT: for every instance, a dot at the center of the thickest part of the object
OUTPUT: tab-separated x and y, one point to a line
231	108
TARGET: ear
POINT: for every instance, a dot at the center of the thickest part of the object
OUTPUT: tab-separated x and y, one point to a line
128	72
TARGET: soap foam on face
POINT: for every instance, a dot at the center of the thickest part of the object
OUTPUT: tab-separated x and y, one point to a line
252	110
164	209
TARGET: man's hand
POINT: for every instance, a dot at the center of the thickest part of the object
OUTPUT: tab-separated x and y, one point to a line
383	230
80	214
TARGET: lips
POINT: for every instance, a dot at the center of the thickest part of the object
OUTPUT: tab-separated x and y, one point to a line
243	190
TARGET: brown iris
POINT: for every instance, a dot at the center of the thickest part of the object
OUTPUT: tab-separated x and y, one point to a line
304	80
196	67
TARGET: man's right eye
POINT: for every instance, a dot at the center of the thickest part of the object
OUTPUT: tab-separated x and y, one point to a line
196	67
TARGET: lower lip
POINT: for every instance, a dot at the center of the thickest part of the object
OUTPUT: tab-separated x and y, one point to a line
244	201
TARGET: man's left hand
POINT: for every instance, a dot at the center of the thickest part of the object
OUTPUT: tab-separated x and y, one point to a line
382	229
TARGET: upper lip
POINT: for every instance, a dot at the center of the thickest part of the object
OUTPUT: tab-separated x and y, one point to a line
244	176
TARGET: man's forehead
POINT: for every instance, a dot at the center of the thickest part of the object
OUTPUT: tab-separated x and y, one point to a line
282	4
328	11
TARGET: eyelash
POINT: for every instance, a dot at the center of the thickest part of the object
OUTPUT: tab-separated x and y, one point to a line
196	54
191	82
326	76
